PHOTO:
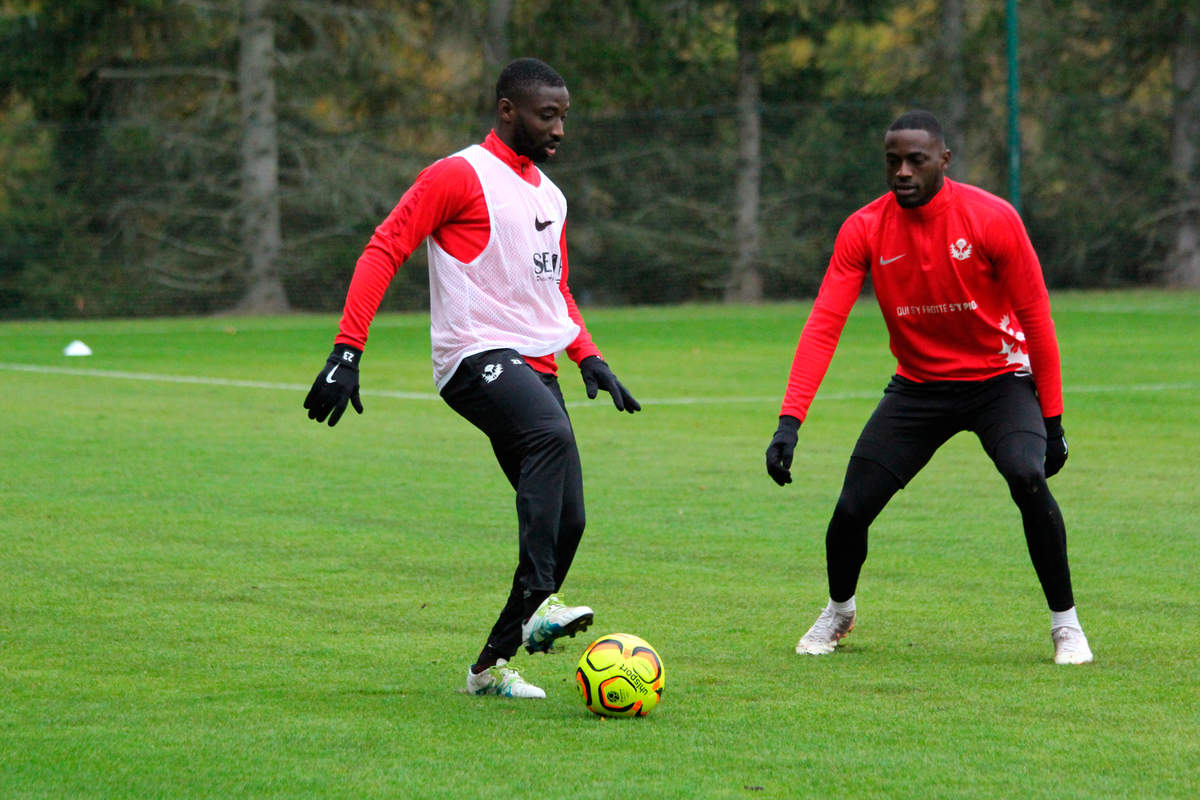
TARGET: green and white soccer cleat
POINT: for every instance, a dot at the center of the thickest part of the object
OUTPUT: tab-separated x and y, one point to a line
826	633
1070	646
502	681
551	621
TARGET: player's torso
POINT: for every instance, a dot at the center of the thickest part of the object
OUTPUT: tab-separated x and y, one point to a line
508	295
940	291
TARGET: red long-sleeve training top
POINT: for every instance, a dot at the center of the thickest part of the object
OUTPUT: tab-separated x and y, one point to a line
960	288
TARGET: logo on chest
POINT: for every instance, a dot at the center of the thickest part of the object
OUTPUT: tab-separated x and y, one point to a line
960	250
546	266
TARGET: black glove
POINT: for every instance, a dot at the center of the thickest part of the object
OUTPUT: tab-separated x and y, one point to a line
1056	445
781	448
596	374
336	383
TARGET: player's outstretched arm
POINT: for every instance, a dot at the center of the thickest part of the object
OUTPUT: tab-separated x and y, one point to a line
597	375
1056	445
336	384
781	449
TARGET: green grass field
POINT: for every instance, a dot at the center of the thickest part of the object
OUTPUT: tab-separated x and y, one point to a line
204	594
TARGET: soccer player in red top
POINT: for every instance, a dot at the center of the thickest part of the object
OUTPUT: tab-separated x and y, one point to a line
500	308
968	318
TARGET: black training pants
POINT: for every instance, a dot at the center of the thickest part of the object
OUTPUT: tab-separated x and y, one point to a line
523	414
911	422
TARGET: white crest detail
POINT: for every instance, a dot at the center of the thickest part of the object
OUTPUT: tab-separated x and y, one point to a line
960	250
492	371
1012	351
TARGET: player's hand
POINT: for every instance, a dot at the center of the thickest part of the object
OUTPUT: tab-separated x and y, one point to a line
781	448
336	384
597	375
1056	445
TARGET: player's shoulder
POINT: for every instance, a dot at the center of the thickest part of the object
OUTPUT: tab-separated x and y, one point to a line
450	174
981	201
868	217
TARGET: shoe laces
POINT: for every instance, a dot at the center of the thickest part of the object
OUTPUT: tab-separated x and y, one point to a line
1069	638
507	677
827	625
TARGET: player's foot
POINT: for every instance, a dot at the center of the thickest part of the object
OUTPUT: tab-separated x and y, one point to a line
551	621
502	680
1070	646
826	633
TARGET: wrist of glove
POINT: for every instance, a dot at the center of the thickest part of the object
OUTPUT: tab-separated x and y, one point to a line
597	375
336	385
1056	445
782	448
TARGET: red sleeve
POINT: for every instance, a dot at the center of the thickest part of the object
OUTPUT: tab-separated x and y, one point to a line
583	346
1021	273
839	290
441	194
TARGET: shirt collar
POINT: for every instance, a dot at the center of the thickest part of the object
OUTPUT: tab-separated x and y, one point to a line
936	205
520	164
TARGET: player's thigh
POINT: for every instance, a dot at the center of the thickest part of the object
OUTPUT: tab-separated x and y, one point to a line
906	429
1005	406
499	393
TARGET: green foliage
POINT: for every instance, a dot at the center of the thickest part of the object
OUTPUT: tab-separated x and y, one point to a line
131	108
207	595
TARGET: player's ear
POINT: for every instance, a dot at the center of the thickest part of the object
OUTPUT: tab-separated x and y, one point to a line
505	109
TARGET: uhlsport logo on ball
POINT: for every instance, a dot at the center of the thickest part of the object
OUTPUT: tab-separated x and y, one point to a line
620	675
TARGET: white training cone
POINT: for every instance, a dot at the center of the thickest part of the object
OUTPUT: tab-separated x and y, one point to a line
77	348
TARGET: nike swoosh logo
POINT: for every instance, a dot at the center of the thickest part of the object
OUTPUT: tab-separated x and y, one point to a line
329	377
541	226
883	261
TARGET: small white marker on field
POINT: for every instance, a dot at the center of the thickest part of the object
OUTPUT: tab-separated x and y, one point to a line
77	348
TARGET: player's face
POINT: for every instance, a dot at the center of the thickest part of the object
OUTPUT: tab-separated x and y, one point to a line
534	123
915	163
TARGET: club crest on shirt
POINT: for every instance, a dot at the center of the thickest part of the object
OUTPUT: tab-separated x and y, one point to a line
960	250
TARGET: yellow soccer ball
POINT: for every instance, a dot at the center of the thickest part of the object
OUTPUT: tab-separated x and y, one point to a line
620	675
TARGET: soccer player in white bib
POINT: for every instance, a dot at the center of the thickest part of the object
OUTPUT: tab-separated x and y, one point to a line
500	308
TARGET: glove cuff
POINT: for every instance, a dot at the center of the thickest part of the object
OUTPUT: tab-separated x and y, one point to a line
347	355
788	423
1054	428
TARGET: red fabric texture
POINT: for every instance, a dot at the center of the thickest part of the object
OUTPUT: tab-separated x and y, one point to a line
960	288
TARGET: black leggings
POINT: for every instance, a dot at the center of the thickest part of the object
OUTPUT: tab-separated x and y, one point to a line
524	416
1018	456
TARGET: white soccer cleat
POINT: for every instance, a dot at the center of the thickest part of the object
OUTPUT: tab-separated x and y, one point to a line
1070	646
502	681
551	621
826	633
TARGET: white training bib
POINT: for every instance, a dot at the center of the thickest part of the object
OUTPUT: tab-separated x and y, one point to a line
509	295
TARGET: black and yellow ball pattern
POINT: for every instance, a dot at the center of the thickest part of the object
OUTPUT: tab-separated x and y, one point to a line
620	675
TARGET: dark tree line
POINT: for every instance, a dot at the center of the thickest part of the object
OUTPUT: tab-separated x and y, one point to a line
167	156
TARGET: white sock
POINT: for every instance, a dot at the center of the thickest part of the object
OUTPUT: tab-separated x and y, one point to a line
1068	618
846	607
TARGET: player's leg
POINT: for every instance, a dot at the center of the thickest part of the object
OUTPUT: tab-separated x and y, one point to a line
1010	427
573	517
905	430
525	420
553	619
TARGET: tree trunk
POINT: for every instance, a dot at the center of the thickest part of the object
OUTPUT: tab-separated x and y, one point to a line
957	100
261	236
746	282
1184	264
496	48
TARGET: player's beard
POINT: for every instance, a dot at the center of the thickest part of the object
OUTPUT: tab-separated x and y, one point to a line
524	144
